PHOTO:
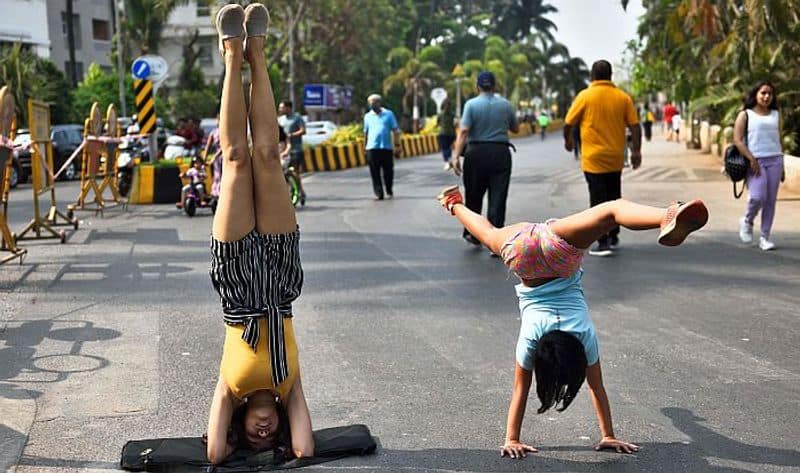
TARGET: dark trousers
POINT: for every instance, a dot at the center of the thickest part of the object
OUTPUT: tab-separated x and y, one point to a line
446	145
648	130
602	188
487	167
381	160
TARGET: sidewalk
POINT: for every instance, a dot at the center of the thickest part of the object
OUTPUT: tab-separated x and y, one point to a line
700	175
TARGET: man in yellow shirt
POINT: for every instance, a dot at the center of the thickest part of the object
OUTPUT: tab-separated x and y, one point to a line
602	112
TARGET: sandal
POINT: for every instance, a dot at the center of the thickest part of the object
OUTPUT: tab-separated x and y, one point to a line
230	24
449	197
680	220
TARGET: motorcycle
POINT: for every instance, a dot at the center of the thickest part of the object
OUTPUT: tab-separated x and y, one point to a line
129	150
176	148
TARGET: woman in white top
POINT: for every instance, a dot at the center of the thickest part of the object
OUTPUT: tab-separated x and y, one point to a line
756	134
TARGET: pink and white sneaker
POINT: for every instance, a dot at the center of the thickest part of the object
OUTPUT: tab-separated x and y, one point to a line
680	220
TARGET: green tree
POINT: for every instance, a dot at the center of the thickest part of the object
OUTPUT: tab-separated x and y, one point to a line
29	76
99	86
413	73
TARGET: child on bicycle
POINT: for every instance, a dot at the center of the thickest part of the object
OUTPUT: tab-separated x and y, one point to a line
197	177
557	341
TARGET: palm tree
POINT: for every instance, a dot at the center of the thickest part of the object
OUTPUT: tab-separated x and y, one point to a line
413	73
516	19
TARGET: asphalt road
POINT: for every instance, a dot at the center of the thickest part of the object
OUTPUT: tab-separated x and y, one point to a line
402	326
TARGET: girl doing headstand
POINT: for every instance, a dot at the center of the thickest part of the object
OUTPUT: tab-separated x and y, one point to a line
255	266
557	342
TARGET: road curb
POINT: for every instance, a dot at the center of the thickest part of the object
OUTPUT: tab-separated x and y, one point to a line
18	411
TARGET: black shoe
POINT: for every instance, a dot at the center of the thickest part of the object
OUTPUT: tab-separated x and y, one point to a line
471	239
378	197
390	196
601	249
613	240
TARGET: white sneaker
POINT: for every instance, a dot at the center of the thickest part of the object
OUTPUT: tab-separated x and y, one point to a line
448	166
765	244
745	231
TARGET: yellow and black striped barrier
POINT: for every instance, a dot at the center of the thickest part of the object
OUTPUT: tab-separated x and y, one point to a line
338	157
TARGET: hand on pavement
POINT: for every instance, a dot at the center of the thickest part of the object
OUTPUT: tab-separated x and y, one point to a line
515	449
618	445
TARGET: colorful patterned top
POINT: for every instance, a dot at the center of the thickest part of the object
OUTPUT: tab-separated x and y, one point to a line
537	252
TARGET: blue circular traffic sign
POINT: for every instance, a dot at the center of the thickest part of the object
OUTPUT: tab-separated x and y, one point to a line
140	69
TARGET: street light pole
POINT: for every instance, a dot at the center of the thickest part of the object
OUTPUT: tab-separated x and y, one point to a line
120	72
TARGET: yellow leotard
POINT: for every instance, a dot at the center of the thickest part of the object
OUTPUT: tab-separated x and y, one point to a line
246	371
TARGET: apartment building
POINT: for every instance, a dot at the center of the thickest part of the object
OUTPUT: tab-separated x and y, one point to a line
93	30
25	22
183	22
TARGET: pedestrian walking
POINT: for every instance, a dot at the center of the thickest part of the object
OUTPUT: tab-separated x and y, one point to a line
649	118
483	138
382	137
757	135
604	112
294	128
677	121
557	340
447	132
669	112
544	120
258	401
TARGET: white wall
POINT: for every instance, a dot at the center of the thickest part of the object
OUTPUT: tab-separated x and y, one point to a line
25	21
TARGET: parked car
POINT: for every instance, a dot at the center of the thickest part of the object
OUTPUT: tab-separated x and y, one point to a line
317	132
65	139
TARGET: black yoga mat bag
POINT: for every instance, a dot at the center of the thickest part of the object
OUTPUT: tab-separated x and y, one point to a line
189	453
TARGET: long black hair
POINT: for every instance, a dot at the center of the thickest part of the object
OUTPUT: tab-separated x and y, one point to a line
559	364
750	100
282	444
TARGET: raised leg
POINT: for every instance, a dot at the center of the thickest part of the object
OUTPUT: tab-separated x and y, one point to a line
235	215
274	211
582	229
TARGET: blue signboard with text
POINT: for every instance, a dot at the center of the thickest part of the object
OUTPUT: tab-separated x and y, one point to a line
327	96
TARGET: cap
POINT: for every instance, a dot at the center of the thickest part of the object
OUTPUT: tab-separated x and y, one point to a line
486	80
373	98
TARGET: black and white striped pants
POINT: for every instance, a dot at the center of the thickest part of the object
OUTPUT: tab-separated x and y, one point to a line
258	276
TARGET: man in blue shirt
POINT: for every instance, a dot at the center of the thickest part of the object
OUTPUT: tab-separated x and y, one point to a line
380	126
485	124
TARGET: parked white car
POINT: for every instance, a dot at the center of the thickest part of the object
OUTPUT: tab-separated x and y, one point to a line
317	132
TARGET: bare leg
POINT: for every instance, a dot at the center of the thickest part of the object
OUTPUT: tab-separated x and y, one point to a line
235	215
579	230
584	228
274	211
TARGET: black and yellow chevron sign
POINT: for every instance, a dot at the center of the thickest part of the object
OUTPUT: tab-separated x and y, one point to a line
145	106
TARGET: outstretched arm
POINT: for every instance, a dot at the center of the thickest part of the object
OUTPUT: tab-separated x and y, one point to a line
219	420
594	378
516	411
299	421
